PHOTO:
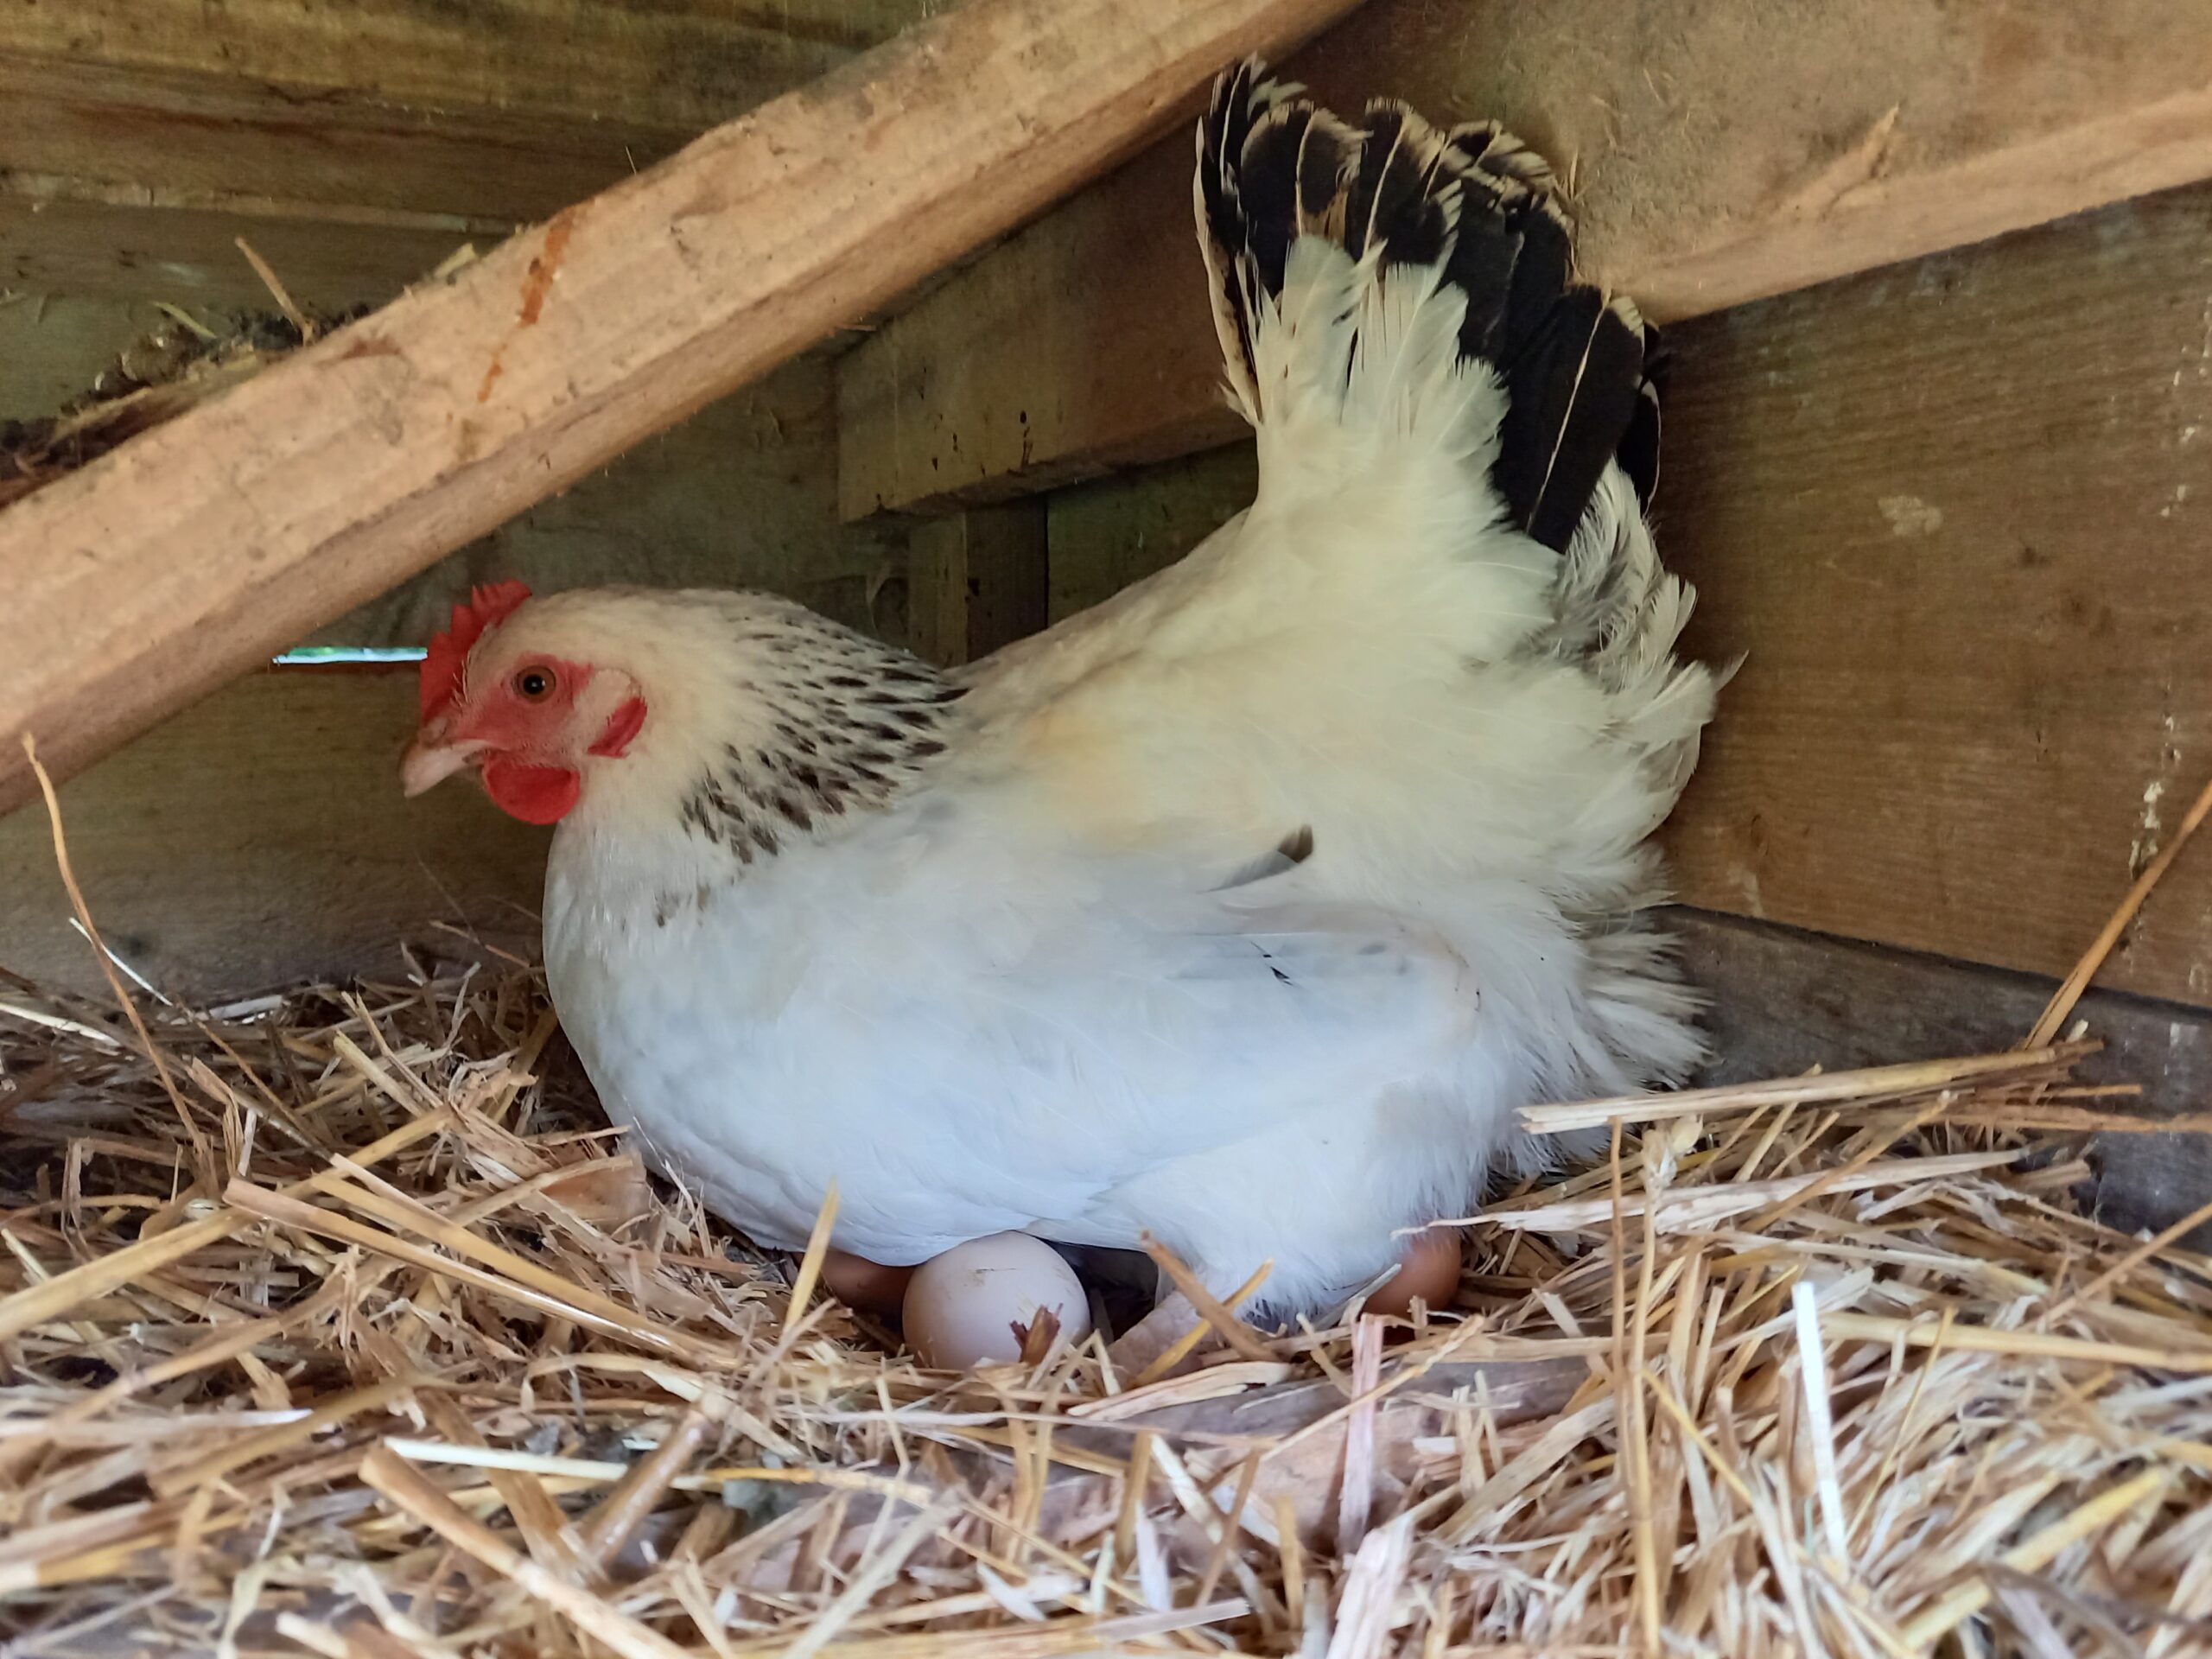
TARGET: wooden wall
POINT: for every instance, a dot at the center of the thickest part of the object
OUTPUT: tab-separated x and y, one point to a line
1784	1000
357	145
259	839
1956	515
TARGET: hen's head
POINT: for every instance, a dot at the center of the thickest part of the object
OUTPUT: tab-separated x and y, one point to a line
521	691
740	718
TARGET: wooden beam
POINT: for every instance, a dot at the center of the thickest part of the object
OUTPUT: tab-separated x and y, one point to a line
976	582
1954	515
235	848
140	583
741	495
1716	154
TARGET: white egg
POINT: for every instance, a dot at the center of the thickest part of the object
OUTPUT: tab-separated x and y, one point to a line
968	1306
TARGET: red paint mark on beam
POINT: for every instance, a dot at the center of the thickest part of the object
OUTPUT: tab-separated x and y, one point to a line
542	270
537	284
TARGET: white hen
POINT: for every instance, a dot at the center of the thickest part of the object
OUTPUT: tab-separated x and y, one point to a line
1243	909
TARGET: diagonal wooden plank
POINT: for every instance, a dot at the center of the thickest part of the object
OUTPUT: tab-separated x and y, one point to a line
140	583
1716	154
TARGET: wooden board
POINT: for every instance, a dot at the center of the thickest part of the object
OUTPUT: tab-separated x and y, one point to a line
741	495
978	581
1718	153
676	64
358	143
198	548
54	349
1955	514
1107	534
259	839
1784	1001
133	244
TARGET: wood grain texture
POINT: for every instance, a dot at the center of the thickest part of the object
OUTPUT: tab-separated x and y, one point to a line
129	243
741	495
55	350
1953	514
1784	1001
978	580
683	63
357	142
1716	154
198	550
259	839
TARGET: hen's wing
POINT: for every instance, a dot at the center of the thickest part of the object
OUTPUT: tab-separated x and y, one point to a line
1013	1026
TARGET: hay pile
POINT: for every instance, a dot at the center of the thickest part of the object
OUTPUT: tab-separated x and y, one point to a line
339	1324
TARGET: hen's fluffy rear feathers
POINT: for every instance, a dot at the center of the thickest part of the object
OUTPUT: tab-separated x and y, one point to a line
1246	908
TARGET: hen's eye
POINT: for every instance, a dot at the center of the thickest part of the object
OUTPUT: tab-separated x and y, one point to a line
534	684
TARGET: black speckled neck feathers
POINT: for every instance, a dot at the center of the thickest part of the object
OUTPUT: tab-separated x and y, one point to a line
841	723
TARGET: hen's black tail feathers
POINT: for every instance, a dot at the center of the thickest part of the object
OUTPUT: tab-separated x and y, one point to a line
1578	369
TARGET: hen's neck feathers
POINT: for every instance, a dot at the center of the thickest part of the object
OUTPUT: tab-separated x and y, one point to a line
766	723
836	723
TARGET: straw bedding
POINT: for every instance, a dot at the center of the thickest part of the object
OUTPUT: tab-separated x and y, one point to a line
339	1324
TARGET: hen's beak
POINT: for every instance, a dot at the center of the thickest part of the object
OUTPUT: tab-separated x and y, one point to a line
431	762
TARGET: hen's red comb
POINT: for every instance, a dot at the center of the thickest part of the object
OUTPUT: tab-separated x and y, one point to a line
448	655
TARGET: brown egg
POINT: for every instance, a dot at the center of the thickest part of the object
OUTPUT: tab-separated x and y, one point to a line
869	1285
1429	1270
